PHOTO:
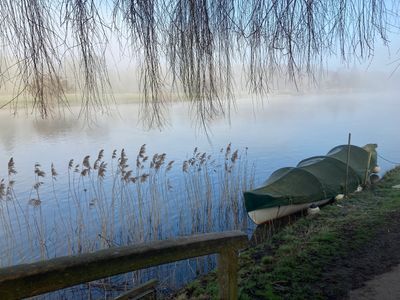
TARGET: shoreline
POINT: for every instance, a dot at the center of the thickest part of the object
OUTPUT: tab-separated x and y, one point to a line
115	98
323	256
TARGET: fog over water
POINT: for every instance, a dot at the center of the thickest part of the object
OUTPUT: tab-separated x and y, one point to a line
281	131
184	178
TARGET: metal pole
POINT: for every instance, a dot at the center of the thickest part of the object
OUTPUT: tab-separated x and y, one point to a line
347	165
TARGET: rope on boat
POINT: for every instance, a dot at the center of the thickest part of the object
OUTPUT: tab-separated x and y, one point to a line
388	160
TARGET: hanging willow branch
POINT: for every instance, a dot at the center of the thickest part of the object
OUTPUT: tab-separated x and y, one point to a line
83	21
31	43
139	19
198	41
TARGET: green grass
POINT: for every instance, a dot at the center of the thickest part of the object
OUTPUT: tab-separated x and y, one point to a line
75	99
288	265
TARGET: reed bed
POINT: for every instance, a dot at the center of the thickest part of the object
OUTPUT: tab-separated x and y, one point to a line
102	202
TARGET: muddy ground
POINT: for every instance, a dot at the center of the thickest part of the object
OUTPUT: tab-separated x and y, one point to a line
377	256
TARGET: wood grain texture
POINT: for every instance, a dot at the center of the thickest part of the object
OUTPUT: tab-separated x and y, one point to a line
33	279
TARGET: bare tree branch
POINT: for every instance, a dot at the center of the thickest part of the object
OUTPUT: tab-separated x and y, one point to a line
186	45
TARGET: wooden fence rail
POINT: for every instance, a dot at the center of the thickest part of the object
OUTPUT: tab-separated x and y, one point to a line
27	280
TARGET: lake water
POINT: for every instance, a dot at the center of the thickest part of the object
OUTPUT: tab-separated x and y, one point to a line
280	132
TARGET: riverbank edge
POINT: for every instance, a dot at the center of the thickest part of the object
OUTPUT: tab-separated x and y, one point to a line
322	256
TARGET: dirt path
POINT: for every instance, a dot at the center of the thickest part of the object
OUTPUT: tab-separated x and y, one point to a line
373	263
385	286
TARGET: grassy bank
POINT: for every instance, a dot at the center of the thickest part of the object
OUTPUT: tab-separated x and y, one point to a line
319	257
75	99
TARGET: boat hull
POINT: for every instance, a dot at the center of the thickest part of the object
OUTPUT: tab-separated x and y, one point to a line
314	180
261	216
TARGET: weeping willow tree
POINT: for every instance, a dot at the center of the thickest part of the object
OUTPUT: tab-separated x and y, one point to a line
193	43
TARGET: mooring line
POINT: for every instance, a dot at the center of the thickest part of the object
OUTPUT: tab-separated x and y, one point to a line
388	160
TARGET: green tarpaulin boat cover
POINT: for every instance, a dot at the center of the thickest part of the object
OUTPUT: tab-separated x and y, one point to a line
315	178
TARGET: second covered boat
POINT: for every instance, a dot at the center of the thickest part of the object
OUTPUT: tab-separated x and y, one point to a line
314	180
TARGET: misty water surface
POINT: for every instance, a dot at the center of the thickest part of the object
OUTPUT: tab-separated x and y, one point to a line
278	132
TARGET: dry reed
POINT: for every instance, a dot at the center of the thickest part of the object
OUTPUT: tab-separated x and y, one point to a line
122	204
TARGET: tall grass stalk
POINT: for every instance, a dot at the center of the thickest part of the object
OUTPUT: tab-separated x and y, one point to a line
93	206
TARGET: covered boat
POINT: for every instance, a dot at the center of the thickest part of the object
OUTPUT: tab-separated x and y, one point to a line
315	180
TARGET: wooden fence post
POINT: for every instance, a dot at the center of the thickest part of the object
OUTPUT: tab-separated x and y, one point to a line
227	274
